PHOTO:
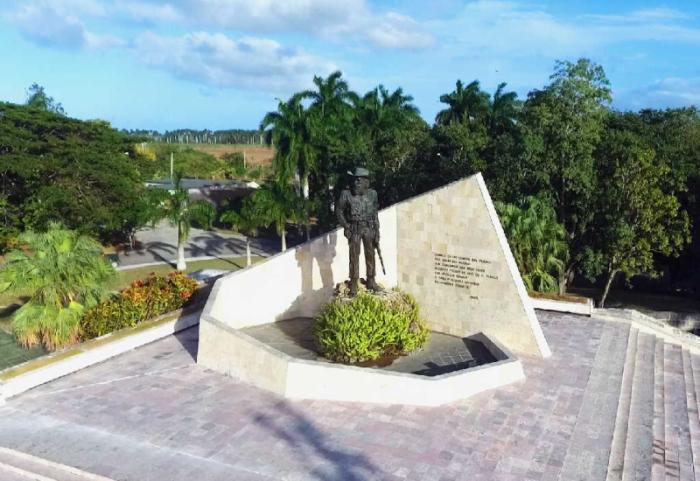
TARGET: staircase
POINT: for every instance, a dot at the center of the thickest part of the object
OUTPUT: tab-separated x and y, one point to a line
18	466
639	417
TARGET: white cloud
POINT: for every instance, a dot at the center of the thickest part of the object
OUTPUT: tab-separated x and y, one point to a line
218	60
398	31
47	23
337	20
141	11
506	28
668	92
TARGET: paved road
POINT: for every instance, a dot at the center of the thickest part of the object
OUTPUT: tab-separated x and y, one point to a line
154	414
160	245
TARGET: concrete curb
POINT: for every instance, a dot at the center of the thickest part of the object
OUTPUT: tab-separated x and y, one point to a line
93	355
563	306
187	259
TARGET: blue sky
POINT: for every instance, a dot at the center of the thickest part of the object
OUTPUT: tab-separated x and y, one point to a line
221	64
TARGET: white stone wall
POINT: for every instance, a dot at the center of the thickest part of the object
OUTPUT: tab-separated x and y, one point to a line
454	258
296	283
457	220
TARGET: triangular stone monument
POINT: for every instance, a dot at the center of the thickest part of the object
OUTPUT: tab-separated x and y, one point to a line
453	256
445	247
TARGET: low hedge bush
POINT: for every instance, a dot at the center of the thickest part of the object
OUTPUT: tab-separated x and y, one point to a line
369	326
142	300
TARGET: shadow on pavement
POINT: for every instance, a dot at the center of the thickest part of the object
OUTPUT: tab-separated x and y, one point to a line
305	438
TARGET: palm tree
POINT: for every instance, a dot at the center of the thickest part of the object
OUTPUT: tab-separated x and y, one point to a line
182	213
290	128
246	221
379	109
64	273
504	111
277	204
468	103
332	95
537	241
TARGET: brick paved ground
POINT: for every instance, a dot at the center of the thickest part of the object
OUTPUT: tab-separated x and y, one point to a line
153	414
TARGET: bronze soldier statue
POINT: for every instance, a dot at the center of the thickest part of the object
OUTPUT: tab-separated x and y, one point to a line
357	212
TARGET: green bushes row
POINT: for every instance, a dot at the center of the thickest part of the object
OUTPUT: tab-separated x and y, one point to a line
368	326
142	300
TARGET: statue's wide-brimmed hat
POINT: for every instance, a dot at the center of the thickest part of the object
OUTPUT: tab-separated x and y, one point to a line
359	172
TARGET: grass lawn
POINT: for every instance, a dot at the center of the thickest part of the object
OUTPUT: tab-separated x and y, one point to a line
11	354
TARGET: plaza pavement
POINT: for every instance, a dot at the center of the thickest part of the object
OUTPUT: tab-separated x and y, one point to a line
154	414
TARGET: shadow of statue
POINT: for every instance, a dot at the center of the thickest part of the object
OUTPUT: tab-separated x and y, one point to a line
318	253
312	444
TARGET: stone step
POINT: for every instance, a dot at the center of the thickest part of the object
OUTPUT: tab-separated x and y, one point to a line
695	369
19	465
678	456
638	445
616	460
596	420
658	469
693	420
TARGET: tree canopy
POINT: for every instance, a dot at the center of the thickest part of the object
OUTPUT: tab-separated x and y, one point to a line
54	168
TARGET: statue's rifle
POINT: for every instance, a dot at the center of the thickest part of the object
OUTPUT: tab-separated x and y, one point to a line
381	259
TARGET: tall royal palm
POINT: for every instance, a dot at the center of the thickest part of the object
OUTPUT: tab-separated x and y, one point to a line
63	273
468	103
290	129
182	212
331	97
247	220
504	110
380	109
276	204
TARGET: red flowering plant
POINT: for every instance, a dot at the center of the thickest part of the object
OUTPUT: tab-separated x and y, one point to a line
142	300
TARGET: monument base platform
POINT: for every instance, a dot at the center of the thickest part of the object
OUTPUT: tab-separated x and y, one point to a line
281	357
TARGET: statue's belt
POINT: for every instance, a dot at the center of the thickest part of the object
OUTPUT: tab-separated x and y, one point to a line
363	222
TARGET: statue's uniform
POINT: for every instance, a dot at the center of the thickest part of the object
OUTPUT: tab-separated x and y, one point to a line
359	214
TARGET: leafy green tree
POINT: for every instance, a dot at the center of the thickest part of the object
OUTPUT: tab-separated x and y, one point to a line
393	135
64	273
247	220
674	134
54	168
478	133
38	99
635	215
537	241
182	212
277	204
565	121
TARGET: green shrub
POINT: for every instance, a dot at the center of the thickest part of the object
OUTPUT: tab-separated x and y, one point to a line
142	300
369	326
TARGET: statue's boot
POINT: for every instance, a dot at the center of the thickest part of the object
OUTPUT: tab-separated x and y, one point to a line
372	285
353	287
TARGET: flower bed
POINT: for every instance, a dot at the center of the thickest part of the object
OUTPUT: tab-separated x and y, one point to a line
142	300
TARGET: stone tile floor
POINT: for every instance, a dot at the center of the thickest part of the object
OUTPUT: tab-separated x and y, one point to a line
442	353
153	414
